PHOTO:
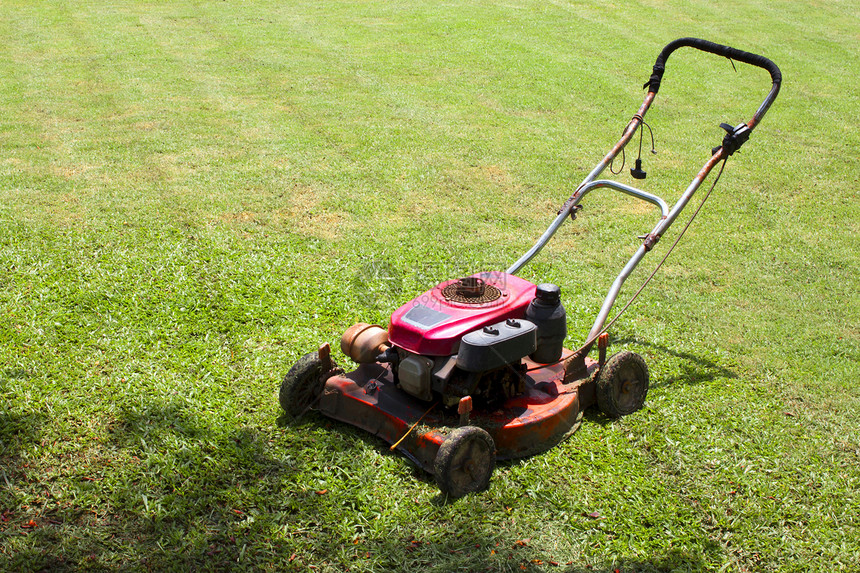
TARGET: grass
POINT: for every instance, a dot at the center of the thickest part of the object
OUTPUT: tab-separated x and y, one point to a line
193	195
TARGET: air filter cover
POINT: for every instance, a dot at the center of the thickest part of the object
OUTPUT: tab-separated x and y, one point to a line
496	345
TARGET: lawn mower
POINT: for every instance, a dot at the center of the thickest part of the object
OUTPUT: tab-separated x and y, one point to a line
474	370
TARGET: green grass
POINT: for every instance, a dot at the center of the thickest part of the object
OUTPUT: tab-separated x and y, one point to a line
193	195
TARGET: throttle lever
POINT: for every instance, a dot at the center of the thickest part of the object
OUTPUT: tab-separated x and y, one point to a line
735	137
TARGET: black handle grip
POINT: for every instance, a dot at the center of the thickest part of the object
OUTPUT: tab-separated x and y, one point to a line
733	140
718	49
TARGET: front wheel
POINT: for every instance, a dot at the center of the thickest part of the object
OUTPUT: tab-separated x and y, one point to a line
465	462
303	384
622	384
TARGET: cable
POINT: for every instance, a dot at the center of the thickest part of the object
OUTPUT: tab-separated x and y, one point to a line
653	147
639	157
623	161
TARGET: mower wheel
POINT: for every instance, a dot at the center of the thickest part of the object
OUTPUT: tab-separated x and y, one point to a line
303	384
622	384
465	461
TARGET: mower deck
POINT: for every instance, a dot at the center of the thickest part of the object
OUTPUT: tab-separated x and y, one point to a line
546	413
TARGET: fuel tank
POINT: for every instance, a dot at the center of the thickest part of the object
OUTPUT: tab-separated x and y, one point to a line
433	324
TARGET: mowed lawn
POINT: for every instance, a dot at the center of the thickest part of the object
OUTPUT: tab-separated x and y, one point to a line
195	194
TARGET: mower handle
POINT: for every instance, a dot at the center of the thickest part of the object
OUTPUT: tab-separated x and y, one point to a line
653	84
735	137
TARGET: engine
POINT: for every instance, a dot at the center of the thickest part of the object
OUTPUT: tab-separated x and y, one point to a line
466	337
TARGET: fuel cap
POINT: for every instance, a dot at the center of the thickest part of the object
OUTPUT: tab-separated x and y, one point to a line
548	294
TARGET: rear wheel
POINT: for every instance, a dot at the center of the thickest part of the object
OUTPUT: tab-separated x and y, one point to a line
622	384
465	461
303	384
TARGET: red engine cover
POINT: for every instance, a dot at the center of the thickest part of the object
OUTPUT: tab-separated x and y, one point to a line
433	323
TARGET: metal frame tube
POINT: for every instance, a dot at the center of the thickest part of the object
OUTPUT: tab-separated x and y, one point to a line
568	206
659	229
577	197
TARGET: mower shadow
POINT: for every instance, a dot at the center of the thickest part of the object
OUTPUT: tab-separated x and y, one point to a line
357	435
694	369
475	546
